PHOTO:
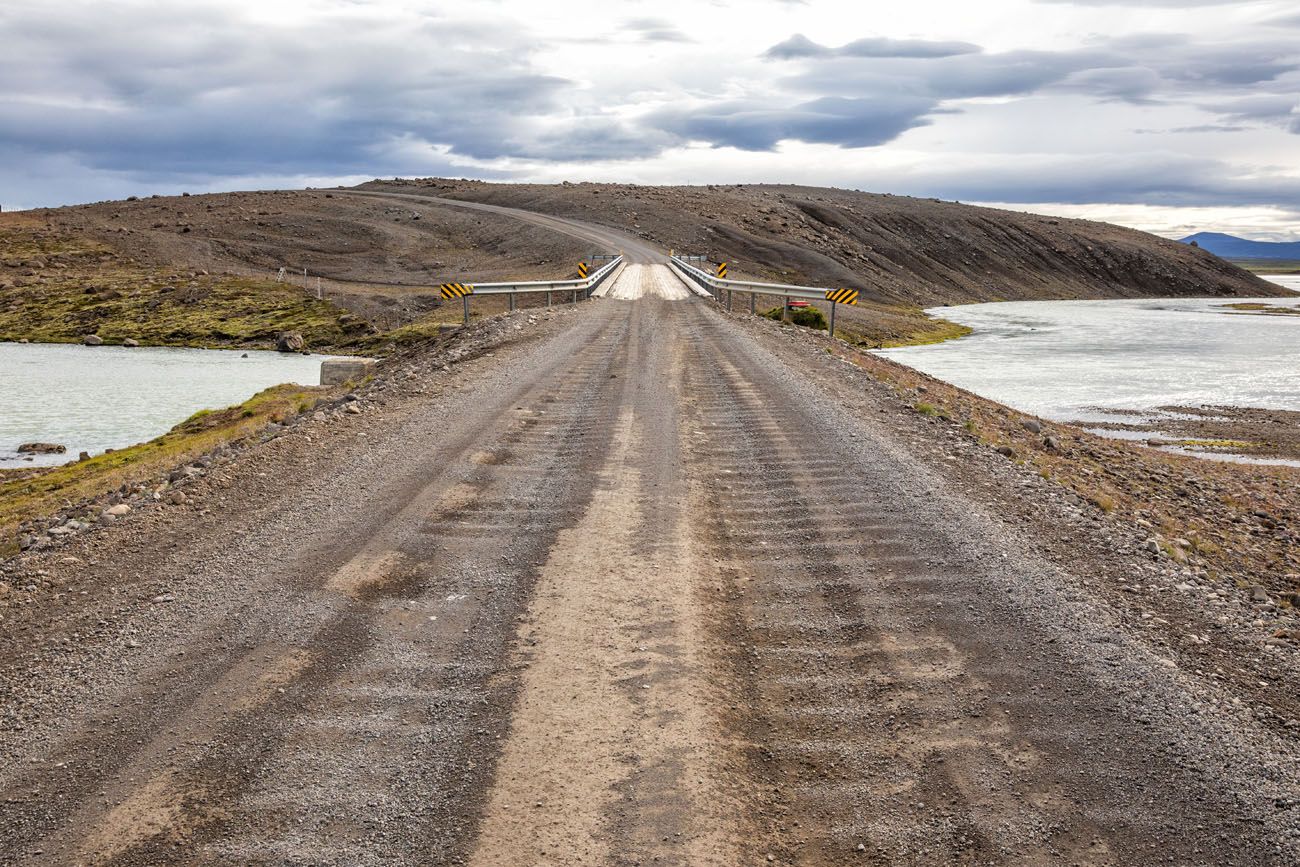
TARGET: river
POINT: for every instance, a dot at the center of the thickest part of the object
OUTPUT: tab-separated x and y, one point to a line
1083	360
92	398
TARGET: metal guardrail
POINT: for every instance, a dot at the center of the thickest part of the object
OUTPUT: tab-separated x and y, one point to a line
582	286
787	291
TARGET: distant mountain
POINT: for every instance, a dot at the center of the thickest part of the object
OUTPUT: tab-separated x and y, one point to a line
1232	247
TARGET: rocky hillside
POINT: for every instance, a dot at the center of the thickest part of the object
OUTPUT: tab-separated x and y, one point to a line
898	250
205	270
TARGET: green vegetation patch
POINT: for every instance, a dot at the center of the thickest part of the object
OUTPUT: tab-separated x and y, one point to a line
935	331
59	289
1260	307
1228	445
807	317
210	312
1268	266
45	491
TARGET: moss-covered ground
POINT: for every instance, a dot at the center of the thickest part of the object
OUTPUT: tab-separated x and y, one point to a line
56	289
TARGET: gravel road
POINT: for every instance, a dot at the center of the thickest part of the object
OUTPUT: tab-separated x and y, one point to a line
625	583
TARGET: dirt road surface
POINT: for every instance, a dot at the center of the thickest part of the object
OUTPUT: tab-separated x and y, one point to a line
603	238
633	588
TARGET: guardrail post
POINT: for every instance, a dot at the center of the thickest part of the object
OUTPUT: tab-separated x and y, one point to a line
466	300
833	306
785	309
548	299
729	294
510	302
752	296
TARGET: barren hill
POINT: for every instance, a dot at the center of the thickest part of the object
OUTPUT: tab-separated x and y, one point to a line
113	266
897	249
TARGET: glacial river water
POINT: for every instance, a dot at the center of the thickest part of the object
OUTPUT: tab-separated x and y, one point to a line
92	398
1072	360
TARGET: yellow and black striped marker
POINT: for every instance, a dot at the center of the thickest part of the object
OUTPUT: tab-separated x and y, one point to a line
842	296
456	290
722	270
582	270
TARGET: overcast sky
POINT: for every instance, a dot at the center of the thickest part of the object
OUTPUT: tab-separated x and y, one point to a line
1169	115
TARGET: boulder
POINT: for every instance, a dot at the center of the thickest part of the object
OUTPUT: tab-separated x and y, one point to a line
93	340
41	449
290	341
130	341
1031	425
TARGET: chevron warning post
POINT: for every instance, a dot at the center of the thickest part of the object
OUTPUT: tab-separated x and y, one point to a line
722	270
582	270
842	296
456	290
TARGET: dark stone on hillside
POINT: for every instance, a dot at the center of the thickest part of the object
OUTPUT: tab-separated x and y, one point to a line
290	341
41	449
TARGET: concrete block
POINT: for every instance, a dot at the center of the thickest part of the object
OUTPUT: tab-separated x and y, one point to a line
335	371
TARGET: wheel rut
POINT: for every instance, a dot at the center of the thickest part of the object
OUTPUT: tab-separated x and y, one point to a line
889	707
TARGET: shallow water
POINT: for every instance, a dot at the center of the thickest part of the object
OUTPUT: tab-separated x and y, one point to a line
1072	360
91	398
1290	281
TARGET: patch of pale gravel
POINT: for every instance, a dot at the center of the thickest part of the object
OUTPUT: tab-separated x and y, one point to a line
640	281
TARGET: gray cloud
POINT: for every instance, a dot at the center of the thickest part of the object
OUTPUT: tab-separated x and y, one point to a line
797	45
655	30
1278	109
1153	179
1131	84
801	46
108	99
755	126
1198	128
138	87
1141	69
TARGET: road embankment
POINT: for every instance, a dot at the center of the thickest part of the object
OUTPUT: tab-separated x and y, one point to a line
639	581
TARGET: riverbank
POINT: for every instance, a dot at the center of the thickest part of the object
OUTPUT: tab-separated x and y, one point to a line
1226	432
1231	526
36	503
42	503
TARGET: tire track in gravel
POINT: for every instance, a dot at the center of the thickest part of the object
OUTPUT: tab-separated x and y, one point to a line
895	706
357	730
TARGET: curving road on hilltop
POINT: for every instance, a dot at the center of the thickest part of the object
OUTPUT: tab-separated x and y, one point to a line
634	249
